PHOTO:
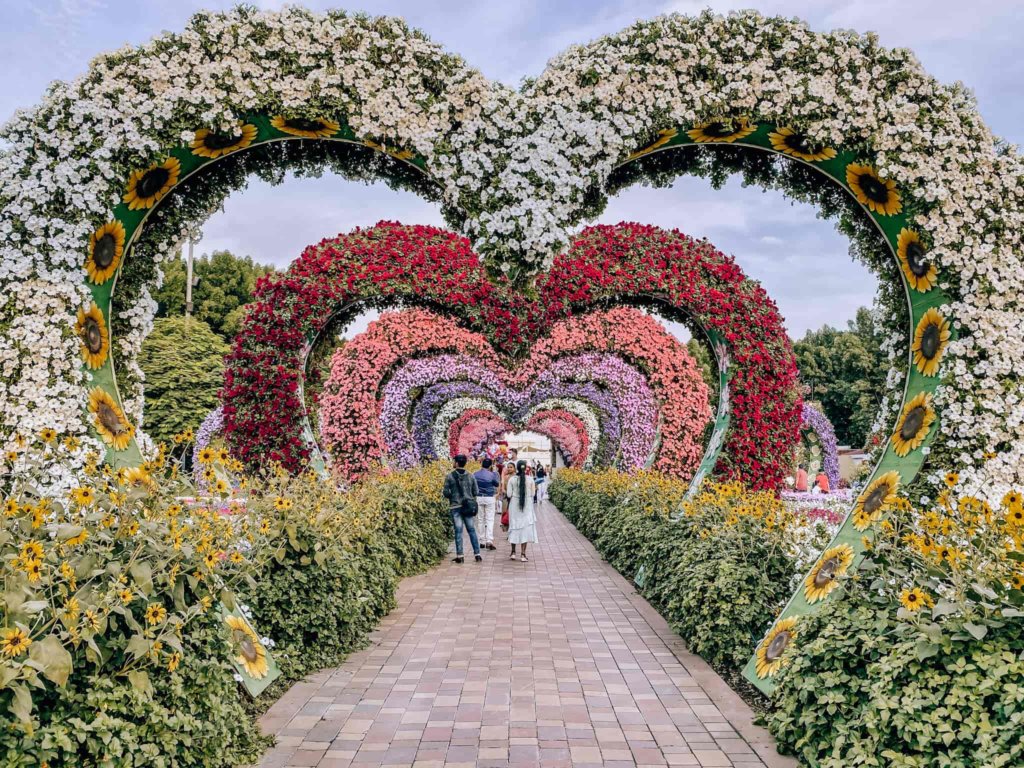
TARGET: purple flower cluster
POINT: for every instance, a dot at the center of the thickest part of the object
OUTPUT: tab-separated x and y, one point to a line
818	421
617	393
210	428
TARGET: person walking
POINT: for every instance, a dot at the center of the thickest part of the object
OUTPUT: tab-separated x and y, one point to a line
461	491
522	525
507	474
801	479
487	484
541	478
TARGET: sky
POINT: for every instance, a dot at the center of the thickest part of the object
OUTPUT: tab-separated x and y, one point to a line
801	260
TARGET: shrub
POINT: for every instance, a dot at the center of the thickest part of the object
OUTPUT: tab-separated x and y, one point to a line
923	657
112	651
184	365
718	567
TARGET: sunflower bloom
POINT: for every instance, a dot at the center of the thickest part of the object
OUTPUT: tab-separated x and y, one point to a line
914	424
106	246
721	131
930	339
109	420
213	144
148	186
789	142
91	330
155	613
824	576
872	191
921	274
14	642
915	599
875	499
770	651
307	128
249	653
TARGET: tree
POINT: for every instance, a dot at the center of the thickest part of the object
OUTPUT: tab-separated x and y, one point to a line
845	371
224	286
183	360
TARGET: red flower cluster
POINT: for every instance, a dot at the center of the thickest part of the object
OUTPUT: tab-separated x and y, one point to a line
392	264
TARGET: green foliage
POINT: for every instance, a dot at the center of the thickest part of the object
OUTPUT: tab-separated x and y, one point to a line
184	365
222	286
717	567
845	371
113	651
857	691
337	559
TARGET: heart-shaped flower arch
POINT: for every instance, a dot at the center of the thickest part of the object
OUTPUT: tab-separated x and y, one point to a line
93	165
758	415
349	410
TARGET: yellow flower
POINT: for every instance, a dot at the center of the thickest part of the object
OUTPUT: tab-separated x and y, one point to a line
84	496
921	274
34	569
173	661
106	246
126	596
951	479
11	507
1013	500
135	476
929	343
915	599
211	559
155	613
206	455
308	128
71	443
213	144
789	142
250	653
875	499
48	435
146	187
236	557
31	550
264	526
92	621
109	420
914	424
14	642
282	504
825	575
220	486
872	191
770	651
664	137
11	456
91	330
1015	517
130	528
721	131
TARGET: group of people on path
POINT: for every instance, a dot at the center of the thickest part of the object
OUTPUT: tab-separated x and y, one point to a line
821	484
475	498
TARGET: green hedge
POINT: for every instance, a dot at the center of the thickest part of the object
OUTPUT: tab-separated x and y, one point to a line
719	574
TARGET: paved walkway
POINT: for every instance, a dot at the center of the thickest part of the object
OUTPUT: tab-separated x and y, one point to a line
555	662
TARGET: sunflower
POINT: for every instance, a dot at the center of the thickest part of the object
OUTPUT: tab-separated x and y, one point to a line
155	613
951	479
930	342
307	128
31	550
721	131
664	137
824	576
917	268
146	187
871	190
1013	500
214	144
109	420
282	504
915	599
135	476
84	496
914	424
106	245
1015	517
173	661
14	642
252	656
769	652
92	330
206	455
874	499
789	142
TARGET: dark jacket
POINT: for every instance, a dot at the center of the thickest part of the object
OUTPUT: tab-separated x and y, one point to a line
459	485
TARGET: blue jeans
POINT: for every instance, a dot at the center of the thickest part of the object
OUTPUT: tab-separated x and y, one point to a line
470	522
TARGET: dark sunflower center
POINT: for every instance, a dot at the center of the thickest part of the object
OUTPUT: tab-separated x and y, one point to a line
799	143
916	260
104	250
93	335
304	124
930	341
718	130
248	648
912	422
778	644
874	500
911	598
827	572
873	189
221	140
108	418
152	182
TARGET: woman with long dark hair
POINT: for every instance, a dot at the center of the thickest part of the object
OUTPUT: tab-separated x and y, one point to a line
522	522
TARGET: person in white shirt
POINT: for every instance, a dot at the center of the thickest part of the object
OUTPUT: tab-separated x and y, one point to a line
522	521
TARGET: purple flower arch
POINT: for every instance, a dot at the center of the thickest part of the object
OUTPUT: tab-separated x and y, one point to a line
814	419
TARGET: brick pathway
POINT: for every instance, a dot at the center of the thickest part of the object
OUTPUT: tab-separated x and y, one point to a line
555	662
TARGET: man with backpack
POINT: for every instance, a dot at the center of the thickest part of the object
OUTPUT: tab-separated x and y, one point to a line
461	490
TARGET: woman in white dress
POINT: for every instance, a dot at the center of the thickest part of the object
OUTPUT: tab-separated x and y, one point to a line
522	522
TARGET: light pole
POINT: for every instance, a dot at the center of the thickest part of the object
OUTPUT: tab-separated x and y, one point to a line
188	279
